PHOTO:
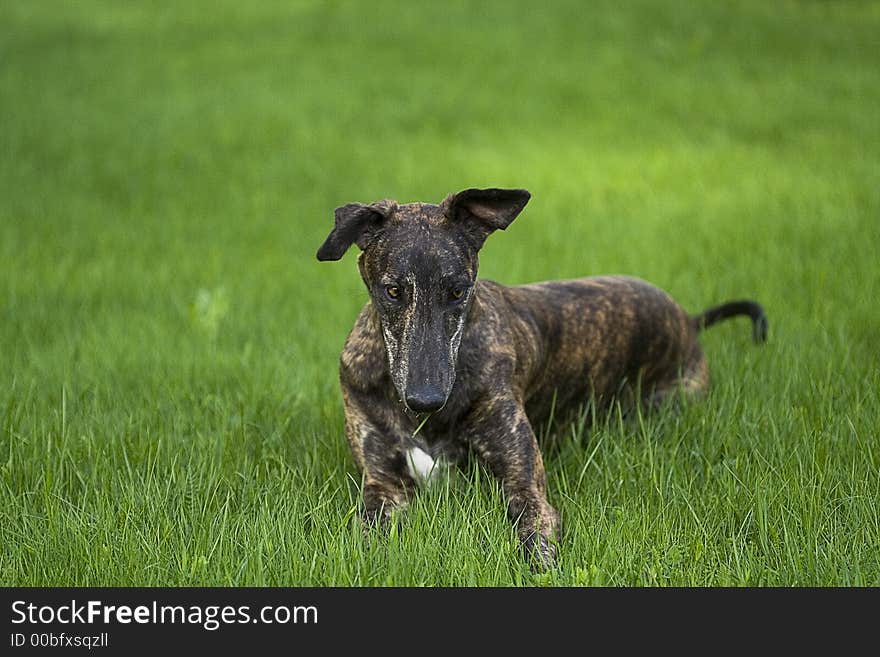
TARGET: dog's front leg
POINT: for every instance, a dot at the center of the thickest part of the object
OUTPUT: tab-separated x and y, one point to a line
502	436
376	440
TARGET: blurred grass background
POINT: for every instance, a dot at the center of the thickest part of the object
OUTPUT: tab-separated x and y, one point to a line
169	406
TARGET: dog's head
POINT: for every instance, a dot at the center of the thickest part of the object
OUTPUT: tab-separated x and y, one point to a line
419	263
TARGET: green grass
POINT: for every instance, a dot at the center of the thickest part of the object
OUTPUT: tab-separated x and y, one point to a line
169	406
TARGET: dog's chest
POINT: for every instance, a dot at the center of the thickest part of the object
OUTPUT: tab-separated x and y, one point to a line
420	465
433	451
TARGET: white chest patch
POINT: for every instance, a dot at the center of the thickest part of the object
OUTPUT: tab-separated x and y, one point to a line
420	465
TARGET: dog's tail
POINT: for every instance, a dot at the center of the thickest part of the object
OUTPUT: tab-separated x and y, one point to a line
731	309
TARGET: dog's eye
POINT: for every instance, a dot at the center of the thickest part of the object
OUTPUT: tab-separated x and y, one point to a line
457	294
393	292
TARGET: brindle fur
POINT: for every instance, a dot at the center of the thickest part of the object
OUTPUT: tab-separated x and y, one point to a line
497	361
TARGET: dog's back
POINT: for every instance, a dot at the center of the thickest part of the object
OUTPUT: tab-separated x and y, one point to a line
593	339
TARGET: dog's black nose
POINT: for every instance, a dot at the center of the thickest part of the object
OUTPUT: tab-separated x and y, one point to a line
425	399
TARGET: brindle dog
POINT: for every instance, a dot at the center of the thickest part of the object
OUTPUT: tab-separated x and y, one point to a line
489	362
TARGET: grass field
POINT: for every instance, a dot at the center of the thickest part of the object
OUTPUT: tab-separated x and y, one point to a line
169	405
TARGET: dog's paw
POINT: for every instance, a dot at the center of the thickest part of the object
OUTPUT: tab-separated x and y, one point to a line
380	520
373	519
540	552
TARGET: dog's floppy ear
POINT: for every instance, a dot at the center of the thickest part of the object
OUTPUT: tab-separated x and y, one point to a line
354	223
480	212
